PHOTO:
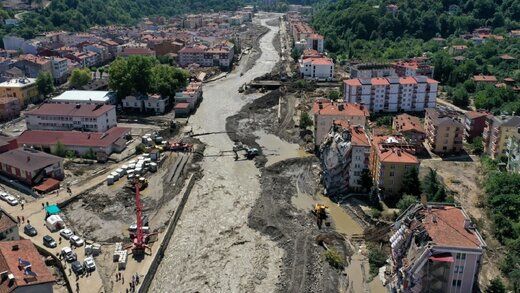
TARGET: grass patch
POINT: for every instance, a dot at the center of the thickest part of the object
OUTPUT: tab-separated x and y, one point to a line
334	258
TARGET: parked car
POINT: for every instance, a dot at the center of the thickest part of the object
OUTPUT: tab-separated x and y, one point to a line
3	195
66	233
30	230
11	200
68	254
89	264
49	241
76	240
77	267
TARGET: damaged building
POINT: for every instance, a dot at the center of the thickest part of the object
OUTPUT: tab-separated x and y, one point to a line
344	155
435	248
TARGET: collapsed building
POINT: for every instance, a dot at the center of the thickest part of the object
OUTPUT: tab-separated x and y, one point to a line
344	155
435	248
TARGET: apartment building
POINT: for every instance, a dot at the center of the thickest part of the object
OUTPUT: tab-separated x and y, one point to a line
32	65
8	227
474	124
326	111
10	108
320	68
496	132
444	132
513	154
344	155
316	42
435	248
191	95
25	89
372	70
410	127
389	161
60	69
86	117
392	94
220	56
413	67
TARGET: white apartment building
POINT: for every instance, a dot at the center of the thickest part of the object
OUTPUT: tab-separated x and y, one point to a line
317	68
60	69
392	94
316	42
359	157
146	103
86	117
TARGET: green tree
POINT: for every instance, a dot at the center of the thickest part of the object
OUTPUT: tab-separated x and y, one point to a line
80	77
411	184
296	53
166	80
334	95
131	75
45	83
431	184
60	150
477	145
305	120
366	179
460	97
406	201
496	286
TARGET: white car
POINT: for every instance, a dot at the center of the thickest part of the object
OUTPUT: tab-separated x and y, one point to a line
89	264
3	195
76	240
11	200
66	233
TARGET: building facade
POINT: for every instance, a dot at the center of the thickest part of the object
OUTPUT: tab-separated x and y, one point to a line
25	89
444	132
513	155
410	127
86	117
8	227
317	68
474	124
392	94
31	166
496	133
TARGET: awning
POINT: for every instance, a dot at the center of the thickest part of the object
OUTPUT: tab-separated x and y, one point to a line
52	209
49	184
442	258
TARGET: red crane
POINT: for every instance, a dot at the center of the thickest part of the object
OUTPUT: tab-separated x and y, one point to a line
139	239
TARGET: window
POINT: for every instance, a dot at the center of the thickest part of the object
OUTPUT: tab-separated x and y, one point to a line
458	269
391	173
461	256
456	283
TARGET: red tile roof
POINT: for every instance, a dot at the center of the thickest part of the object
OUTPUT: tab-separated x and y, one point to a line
352	82
407	80
72	138
359	136
28	160
6	221
484	78
476	114
83	110
380	81
10	253
405	123
319	61
446	227
396	155
333	108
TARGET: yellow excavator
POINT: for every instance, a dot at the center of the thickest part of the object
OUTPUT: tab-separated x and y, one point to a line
320	211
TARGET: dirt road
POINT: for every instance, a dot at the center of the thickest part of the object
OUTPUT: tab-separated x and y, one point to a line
214	250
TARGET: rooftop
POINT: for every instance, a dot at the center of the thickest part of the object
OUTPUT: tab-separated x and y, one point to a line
6	221
406	122
396	155
327	107
28	160
71	110
21	259
72	138
18	82
75	95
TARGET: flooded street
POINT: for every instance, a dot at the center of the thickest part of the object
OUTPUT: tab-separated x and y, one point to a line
213	249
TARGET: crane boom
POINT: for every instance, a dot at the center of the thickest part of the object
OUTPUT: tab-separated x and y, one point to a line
139	239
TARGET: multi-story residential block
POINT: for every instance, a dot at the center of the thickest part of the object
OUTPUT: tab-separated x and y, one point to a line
344	155
86	117
60	69
220	56
10	108
24	268
513	154
101	50
30	166
444	131
392	94
410	127
24	89
321	68
155	104
389	161
435	248
474	124
496	132
316	42
371	71
32	65
8	227
326	111
191	95
136	50
413	67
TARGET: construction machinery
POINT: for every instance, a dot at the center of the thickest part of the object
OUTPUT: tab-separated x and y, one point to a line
140	237
320	211
250	153
141	181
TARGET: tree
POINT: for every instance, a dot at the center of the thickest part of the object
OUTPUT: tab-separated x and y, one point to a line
496	286
406	201
477	145
166	80
59	149
80	77
334	95
411	184
430	184
45	83
305	120
366	179
296	53
460	97
131	75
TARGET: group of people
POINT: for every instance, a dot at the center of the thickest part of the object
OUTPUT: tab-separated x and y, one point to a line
133	284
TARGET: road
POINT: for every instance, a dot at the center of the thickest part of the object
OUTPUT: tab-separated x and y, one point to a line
213	249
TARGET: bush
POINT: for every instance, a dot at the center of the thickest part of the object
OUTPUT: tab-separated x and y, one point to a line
496	286
305	120
375	213
140	148
376	259
334	258
406	201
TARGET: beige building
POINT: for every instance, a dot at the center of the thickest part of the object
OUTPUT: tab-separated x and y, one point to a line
25	89
444	132
325	112
497	131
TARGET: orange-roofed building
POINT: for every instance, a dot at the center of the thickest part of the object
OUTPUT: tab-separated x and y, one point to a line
435	247
410	127
23	268
491	79
320	68
388	163
326	111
